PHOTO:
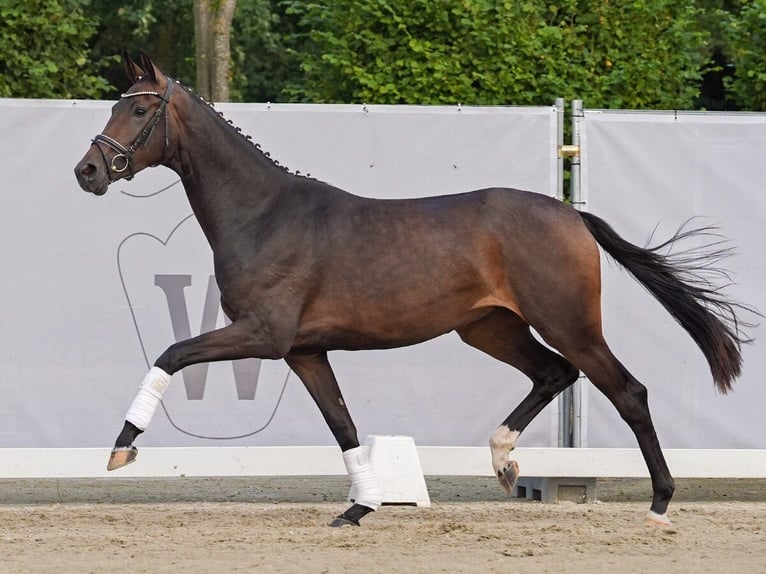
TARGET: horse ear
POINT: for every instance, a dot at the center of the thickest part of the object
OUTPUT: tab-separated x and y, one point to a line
152	71
132	69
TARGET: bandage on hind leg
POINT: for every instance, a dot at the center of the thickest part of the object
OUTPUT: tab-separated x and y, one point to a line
363	478
148	398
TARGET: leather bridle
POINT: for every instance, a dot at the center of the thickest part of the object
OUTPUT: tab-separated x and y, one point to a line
121	161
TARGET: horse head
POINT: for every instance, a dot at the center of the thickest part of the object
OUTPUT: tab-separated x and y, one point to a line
132	138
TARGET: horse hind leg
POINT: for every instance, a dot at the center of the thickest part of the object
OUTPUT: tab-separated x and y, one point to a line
506	337
629	397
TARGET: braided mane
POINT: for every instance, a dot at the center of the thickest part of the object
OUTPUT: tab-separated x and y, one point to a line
237	130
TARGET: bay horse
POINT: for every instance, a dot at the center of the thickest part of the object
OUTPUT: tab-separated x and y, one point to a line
305	268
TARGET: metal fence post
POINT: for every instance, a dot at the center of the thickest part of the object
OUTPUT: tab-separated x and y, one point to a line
559	105
570	400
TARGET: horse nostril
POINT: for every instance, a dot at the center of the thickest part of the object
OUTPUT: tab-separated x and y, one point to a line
88	170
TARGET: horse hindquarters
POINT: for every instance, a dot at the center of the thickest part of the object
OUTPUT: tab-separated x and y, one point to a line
559	295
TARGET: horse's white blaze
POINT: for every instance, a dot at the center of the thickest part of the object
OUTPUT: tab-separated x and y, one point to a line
502	442
363	478
148	398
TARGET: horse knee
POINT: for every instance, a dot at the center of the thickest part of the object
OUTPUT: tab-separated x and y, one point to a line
169	360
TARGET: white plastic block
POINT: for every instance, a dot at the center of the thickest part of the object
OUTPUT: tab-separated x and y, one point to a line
397	465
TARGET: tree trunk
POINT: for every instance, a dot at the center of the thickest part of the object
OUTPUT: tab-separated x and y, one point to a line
212	33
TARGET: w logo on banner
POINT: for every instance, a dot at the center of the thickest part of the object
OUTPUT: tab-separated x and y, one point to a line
195	376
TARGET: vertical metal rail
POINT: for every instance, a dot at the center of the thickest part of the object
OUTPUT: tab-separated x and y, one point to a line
570	400
560	112
575	191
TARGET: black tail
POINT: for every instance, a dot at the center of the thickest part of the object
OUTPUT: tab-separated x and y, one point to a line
682	283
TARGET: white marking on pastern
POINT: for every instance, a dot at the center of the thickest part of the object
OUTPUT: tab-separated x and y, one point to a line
502	442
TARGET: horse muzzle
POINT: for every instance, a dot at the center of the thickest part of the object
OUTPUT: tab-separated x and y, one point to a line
91	176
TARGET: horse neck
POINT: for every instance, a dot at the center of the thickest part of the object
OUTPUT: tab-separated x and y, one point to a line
229	182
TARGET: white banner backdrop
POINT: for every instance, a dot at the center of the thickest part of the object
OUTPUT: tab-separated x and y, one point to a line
94	289
646	170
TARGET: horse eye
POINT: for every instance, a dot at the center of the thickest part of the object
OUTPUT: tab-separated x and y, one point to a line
140	111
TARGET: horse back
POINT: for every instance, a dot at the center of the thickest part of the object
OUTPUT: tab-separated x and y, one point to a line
383	273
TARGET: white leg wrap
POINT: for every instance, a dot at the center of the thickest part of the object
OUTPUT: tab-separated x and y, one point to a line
149	396
363	478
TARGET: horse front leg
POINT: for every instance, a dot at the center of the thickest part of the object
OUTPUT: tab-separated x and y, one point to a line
239	340
317	376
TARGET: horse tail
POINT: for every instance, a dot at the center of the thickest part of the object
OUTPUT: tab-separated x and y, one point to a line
683	283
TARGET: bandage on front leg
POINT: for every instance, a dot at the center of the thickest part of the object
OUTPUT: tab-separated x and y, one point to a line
148	398
363	478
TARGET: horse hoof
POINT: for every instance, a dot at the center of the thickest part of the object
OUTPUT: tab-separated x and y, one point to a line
654	519
121	456
509	476
340	522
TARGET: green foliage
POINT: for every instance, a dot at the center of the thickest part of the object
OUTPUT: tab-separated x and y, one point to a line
44	47
610	53
746	33
261	64
638	54
164	30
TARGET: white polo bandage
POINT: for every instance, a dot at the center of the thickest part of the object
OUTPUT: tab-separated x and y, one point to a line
148	398
363	478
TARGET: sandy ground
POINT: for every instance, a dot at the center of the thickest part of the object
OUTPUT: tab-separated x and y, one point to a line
278	525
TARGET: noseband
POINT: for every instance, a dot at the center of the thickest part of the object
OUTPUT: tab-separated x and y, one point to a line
121	161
